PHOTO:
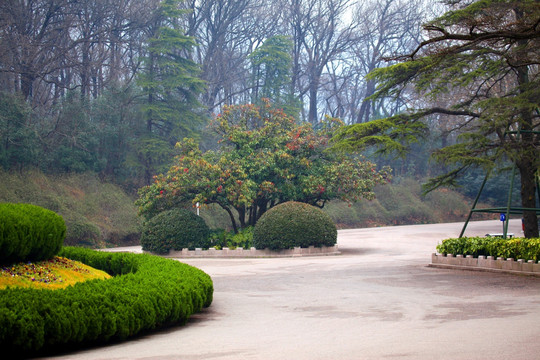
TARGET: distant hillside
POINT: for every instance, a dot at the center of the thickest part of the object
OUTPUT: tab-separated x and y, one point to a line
398	203
97	214
402	203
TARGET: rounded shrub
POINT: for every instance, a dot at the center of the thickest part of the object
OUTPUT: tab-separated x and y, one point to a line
174	229
29	233
147	292
294	224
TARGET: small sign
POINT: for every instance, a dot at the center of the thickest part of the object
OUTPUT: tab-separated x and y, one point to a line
503	217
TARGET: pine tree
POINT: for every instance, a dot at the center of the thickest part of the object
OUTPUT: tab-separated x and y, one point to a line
484	57
272	64
171	85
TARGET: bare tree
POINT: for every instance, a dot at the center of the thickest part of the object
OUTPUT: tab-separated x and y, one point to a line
320	35
226	33
48	46
33	41
383	29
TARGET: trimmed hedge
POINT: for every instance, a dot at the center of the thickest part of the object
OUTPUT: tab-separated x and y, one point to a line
294	224
175	229
29	232
145	293
515	248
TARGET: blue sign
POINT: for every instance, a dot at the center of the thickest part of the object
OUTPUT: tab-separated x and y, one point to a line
503	217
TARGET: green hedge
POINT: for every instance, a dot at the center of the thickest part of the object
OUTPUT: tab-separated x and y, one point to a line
145	293
29	232
516	248
175	229
294	224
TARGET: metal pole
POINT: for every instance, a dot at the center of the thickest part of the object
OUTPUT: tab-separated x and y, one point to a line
507	220
474	204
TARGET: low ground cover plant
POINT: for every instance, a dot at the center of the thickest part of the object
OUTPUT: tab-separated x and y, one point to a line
145	292
515	248
55	273
294	224
220	239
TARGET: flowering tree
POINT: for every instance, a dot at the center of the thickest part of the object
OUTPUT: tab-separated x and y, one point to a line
265	159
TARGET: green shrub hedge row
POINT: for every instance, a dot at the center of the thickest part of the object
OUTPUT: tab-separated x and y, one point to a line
294	224
175	229
145	293
516	248
29	232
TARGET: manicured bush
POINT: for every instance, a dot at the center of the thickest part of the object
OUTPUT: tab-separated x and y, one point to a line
174	229
516	248
294	224
29	232
145	293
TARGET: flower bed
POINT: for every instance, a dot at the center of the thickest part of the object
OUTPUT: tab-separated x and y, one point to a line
489	253
145	293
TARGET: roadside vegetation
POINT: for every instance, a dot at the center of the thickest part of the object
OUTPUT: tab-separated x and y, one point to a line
100	214
97	213
53	298
515	248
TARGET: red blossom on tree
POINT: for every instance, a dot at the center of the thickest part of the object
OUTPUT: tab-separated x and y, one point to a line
265	159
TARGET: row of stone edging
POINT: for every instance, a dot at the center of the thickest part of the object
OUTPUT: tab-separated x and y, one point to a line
484	263
253	253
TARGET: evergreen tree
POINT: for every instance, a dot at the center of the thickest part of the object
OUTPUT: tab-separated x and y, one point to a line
272	64
18	140
483	58
171	86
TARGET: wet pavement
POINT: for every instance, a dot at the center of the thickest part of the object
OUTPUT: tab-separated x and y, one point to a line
377	300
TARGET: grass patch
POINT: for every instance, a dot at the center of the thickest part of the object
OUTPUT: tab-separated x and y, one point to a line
97	214
53	274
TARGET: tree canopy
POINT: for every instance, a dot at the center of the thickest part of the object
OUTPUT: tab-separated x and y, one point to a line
479	64
265	158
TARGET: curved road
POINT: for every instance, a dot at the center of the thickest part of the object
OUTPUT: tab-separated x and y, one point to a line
378	300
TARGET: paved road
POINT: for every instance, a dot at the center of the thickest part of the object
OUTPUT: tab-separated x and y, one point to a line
378	300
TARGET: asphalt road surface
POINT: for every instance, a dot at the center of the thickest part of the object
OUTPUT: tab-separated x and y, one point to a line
377	300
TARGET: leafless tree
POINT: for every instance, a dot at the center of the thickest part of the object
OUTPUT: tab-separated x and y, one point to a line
226	33
383	29
320	35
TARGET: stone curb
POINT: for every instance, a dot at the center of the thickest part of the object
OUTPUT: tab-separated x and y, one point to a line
252	253
483	263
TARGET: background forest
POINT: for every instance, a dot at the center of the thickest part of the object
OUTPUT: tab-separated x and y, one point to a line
107	88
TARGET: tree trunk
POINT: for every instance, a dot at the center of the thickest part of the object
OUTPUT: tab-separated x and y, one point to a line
528	199
313	90
365	108
231	216
27	83
526	164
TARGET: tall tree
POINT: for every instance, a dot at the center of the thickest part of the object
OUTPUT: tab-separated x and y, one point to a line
171	85
225	31
272	73
266	159
490	49
386	28
33	38
382	30
320	35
